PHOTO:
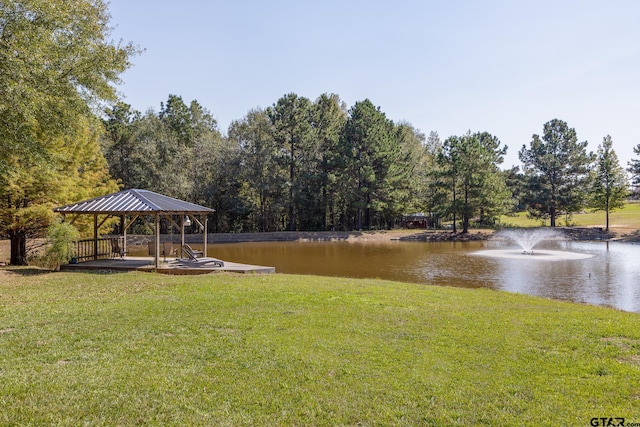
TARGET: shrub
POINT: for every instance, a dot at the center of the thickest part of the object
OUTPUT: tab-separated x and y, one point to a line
61	237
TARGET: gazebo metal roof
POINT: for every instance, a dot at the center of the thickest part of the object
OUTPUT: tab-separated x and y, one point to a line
133	201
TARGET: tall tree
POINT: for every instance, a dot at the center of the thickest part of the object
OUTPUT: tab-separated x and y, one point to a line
495	197
469	168
291	121
186	139
517	185
329	118
404	179
556	166
263	178
57	63
369	151
426	176
212	164
56	60
609	188
447	180
130	155
175	142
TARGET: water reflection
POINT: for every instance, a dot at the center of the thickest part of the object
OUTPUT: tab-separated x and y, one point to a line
610	277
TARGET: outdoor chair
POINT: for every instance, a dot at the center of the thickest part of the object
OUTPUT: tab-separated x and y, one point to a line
195	258
116	248
191	253
167	249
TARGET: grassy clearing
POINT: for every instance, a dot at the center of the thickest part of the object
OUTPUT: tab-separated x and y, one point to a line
627	218
140	348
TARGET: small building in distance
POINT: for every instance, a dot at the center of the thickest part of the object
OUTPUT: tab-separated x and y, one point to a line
417	220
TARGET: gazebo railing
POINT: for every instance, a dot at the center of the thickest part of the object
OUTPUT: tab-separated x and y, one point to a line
85	248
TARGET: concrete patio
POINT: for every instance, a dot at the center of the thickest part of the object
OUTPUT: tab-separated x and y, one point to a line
173	266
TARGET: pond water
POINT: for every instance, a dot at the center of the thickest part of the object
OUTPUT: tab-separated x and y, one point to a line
601	273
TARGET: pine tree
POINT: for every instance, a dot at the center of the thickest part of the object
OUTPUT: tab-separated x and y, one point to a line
556	166
609	189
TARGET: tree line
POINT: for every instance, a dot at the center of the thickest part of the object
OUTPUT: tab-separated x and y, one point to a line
318	165
295	165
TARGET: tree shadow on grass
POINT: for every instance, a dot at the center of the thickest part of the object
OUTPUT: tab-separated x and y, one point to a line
24	271
35	271
99	272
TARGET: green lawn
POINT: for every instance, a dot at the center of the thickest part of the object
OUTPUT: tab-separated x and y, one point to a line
626	218
141	348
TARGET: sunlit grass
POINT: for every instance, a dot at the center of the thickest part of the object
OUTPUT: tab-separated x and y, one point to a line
136	348
626	218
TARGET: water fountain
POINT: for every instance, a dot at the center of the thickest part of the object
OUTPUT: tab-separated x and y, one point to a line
527	240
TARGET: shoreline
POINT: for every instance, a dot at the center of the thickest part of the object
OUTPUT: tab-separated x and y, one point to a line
570	233
320	236
625	235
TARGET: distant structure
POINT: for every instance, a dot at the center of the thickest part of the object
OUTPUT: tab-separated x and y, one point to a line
417	220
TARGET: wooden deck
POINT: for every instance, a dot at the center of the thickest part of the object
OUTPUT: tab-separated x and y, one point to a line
173	266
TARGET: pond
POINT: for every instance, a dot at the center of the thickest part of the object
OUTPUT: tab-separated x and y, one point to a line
601	273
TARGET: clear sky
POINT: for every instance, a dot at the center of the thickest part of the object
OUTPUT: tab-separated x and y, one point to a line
501	66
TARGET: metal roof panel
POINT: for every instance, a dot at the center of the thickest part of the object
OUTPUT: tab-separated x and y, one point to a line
133	200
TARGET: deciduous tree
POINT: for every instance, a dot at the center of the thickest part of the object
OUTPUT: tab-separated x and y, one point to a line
76	170
57	63
262	177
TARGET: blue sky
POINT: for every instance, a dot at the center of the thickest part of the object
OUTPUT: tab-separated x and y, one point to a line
505	67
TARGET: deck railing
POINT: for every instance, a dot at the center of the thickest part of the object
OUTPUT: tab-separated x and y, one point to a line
106	245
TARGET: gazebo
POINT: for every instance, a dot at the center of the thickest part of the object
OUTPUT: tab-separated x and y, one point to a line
128	205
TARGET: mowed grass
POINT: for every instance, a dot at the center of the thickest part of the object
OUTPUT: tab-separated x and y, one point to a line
141	348
625	219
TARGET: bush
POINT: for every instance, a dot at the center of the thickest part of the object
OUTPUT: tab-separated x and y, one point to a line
61	238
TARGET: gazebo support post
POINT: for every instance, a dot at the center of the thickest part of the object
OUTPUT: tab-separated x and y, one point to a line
95	236
204	221
181	234
157	261
123	231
